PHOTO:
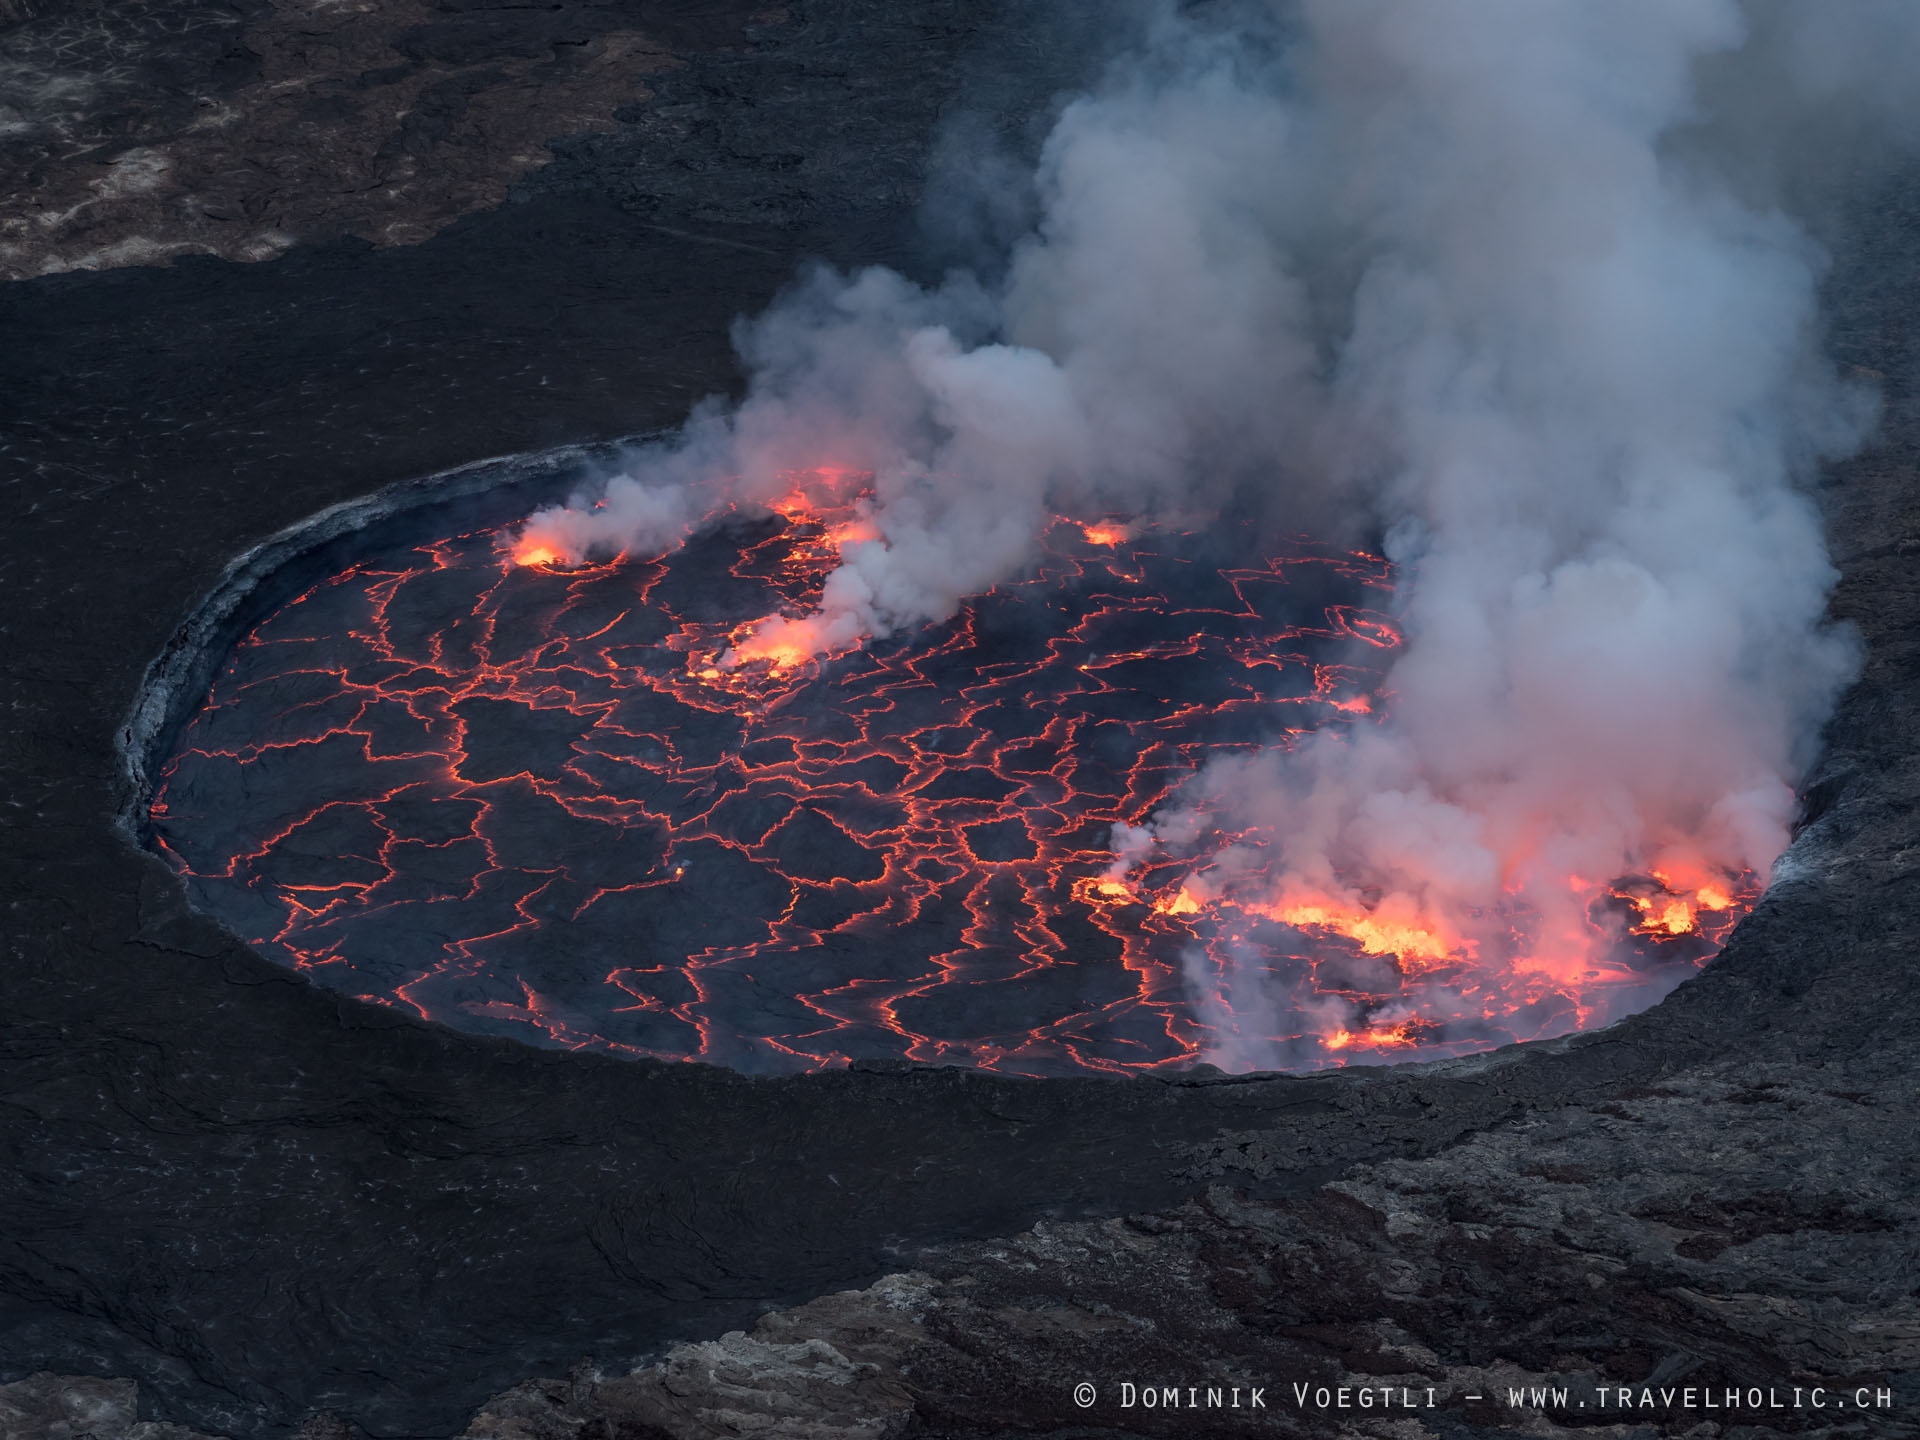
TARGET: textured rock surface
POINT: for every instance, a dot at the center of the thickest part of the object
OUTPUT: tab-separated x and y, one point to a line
263	1202
829	1370
1596	1247
131	134
78	1407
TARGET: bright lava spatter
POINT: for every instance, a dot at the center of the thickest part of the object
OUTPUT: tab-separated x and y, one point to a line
539	802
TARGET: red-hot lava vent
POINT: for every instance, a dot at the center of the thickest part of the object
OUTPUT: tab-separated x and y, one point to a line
605	807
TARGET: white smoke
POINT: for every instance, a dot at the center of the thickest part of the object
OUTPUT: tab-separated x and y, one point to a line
1499	274
1146	350
1580	377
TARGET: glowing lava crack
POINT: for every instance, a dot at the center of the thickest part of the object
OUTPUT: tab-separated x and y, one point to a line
593	808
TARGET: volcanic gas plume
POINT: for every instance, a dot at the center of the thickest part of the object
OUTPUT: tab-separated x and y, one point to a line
1497	281
1503	301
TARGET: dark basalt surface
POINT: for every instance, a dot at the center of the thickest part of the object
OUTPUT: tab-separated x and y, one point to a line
526	802
259	1200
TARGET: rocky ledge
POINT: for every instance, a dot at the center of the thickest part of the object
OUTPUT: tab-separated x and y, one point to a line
276	1210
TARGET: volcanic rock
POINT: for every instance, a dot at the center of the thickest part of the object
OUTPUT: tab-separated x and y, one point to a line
263	1202
77	1407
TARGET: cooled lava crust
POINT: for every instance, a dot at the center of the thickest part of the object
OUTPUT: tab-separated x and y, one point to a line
553	804
263	1199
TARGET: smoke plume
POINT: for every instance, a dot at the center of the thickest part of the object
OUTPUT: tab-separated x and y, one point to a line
1512	281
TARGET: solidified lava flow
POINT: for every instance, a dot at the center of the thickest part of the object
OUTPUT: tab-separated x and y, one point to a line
550	803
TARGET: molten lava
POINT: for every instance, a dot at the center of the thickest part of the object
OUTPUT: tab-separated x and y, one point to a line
781	642
638	806
1382	931
1379	1037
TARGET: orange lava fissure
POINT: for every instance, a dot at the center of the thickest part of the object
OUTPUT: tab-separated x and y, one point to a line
584	807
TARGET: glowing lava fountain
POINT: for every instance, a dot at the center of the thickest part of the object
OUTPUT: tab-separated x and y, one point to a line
602	807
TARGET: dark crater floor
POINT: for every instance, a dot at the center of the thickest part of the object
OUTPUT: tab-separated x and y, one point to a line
261	1199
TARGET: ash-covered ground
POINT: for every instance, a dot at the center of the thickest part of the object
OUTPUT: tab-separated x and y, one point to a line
261	1201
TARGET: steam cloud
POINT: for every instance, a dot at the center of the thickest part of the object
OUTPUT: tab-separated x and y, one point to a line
1509	278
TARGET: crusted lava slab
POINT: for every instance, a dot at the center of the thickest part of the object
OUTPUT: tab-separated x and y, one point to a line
261	1200
531	802
541	802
